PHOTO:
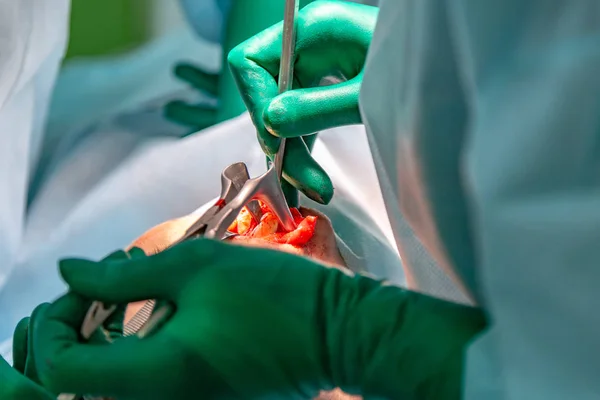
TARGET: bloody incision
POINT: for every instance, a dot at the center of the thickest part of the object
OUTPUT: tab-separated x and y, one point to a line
269	229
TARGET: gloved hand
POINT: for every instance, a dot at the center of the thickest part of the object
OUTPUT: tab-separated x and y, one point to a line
24	348
196	116
332	42
254	323
15	386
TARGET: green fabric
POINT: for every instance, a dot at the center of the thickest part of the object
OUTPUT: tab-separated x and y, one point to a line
253	323
102	27
344	31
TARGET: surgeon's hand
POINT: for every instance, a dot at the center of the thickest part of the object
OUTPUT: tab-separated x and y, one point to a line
332	42
253	323
195	116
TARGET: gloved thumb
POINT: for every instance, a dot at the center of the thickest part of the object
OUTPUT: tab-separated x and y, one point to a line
301	112
123	281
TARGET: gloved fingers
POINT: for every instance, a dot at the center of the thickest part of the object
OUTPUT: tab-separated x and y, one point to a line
323	49
73	367
19	344
304	173
124	281
197	116
114	282
305	111
14	386
204	81
31	371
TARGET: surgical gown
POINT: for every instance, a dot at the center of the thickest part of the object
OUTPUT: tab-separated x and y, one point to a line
483	119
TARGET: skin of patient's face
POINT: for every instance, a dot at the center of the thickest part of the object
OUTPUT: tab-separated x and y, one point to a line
322	247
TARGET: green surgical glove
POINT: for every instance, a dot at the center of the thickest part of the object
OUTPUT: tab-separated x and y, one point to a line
15	386
332	42
253	323
24	347
196	116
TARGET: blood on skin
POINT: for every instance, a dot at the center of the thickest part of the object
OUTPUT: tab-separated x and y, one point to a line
269	229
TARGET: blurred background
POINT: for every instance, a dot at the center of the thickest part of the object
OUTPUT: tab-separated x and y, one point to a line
108	27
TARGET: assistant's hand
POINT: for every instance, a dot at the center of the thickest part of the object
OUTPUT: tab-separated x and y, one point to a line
254	323
332	42
196	116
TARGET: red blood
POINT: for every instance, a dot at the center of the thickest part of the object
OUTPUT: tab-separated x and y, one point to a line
303	233
220	203
263	207
296	214
298	237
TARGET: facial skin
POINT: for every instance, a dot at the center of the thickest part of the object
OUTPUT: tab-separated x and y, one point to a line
322	247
